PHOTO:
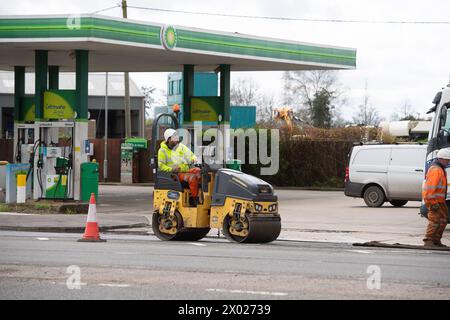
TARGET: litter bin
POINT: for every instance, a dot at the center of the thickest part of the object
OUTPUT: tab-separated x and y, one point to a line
89	180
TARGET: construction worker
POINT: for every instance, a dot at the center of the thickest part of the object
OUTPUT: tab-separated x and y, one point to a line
434	192
173	156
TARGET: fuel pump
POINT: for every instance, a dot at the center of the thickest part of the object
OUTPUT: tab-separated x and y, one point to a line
53	161
24	138
23	142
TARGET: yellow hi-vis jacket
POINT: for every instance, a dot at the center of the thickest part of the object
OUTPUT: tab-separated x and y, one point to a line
434	188
179	156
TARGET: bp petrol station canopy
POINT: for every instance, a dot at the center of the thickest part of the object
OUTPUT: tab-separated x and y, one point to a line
117	44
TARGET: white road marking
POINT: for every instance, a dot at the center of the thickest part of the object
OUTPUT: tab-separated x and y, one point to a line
361	251
16	214
43	239
118	285
65	283
267	293
126	252
197	244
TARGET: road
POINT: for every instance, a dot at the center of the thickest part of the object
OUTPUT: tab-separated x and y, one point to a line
306	215
35	266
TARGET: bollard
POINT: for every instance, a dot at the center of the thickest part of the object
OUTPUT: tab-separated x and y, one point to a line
21	188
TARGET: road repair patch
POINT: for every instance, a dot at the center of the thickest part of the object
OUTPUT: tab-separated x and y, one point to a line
265	293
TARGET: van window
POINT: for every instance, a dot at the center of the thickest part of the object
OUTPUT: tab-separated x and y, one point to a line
378	156
410	157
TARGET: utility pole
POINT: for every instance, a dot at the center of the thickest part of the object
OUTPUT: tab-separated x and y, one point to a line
105	160
127	86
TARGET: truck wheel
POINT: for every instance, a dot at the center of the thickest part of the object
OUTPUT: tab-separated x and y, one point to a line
374	196
398	203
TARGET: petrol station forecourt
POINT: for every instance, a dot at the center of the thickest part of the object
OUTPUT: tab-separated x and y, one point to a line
47	45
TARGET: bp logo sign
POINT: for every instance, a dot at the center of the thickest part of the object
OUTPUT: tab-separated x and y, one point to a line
169	37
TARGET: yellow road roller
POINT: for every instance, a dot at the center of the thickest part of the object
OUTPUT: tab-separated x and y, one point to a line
244	207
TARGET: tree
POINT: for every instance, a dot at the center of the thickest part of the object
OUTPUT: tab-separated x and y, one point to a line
266	105
366	115
320	111
406	112
245	92
315	94
151	99
337	120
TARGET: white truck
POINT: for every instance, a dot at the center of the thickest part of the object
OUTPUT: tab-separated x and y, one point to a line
439	135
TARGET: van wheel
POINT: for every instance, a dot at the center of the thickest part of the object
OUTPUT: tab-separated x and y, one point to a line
398	203
374	196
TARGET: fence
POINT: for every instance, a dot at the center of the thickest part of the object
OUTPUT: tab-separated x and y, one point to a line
306	163
303	163
7	150
141	161
113	158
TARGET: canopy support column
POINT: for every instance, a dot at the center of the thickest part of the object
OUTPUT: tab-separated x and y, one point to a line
81	120
19	91
40	84
82	72
188	90
53	77
225	91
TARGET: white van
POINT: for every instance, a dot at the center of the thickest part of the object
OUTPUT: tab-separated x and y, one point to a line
380	173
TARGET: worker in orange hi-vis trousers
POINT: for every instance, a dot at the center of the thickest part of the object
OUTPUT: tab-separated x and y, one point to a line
434	193
192	177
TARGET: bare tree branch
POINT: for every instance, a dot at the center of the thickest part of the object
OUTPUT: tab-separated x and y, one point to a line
245	92
366	114
302	89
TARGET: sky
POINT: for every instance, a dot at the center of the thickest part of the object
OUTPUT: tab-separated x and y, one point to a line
397	63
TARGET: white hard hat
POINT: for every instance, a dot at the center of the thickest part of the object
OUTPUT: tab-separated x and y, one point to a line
444	153
169	133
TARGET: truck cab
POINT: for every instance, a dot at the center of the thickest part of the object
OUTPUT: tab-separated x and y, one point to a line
439	135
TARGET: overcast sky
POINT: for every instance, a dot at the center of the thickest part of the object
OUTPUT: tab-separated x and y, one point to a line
399	62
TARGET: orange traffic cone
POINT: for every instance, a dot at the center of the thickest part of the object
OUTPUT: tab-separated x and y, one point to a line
91	233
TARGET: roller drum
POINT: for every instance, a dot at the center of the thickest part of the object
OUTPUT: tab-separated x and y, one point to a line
262	229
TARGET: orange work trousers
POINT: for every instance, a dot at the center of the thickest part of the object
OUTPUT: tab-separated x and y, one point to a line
192	177
437	223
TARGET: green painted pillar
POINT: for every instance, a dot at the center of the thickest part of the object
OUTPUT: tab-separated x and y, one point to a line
19	92
225	90
53	77
188	90
40	82
82	72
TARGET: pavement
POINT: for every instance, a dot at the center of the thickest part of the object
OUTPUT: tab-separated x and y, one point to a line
307	215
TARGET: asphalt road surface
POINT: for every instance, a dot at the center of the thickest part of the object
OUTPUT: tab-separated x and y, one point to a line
306	215
55	266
